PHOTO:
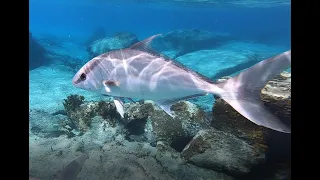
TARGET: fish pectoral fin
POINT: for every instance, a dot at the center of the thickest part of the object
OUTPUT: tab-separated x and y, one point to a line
166	107
119	106
109	83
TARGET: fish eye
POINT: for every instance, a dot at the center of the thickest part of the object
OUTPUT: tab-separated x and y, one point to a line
83	77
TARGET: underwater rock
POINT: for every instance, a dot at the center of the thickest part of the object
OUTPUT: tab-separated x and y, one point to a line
189	40
283	172
99	133
118	159
37	53
151	124
81	113
269	171
63	52
192	118
172	161
118	41
136	117
228	120
45	125
277	96
222	151
165	128
110	153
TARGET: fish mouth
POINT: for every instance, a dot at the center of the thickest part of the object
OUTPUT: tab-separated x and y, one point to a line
75	81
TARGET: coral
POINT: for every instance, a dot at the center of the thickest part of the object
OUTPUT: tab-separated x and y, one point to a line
138	111
79	115
108	112
72	102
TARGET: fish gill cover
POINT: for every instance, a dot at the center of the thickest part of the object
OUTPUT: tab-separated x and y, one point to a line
206	139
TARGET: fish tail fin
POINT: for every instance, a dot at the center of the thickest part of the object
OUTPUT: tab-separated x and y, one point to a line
243	91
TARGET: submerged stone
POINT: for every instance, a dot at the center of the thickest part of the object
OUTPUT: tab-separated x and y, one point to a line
155	125
221	151
118	41
189	40
37	53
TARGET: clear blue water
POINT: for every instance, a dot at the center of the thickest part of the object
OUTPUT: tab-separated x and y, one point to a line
80	19
60	30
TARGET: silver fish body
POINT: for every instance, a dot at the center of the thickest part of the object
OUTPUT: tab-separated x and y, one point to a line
139	72
142	75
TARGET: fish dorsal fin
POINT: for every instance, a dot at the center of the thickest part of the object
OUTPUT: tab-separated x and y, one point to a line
145	44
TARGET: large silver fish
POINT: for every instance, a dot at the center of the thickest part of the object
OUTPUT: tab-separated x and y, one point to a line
139	72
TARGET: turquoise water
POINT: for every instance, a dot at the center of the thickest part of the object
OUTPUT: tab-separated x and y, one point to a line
79	20
208	37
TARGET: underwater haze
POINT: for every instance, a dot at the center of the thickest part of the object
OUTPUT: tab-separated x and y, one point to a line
78	134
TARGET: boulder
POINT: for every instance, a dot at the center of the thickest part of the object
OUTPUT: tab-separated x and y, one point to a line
155	125
277	96
118	41
37	53
222	151
65	52
189	40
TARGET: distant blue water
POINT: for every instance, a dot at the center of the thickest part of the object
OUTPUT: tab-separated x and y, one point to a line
79	19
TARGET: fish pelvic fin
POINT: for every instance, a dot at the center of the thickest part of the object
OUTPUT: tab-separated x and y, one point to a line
242	92
119	105
166	107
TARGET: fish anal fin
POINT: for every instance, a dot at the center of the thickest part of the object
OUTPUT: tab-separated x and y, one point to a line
166	107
